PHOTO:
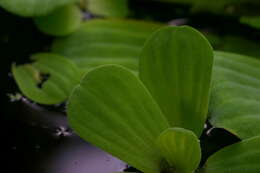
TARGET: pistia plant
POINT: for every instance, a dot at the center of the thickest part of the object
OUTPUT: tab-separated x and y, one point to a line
154	121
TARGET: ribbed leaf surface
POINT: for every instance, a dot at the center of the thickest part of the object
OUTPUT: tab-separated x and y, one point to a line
181	150
235	94
113	110
243	157
30	8
49	80
100	42
175	66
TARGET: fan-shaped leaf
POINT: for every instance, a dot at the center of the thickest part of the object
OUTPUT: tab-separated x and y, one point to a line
61	22
30	8
49	80
235	95
175	66
243	157
181	149
100	42
113	110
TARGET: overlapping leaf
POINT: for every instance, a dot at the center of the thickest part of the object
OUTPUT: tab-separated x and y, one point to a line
61	22
31	8
175	66
100	42
113	110
49	80
235	94
242	157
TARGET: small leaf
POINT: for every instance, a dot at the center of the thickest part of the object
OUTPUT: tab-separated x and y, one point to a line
108	8
235	94
242	157
175	66
61	22
181	149
102	41
113	110
31	8
49	80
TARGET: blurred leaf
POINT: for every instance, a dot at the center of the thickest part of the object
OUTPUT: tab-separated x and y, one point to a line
181	149
242	157
108	8
61	22
253	21
220	6
30	8
100	42
113	110
235	44
235	94
49	80
175	66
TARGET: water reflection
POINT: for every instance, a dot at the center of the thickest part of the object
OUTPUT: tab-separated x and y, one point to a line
44	143
76	156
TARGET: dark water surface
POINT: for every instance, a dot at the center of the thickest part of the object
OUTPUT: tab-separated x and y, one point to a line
41	141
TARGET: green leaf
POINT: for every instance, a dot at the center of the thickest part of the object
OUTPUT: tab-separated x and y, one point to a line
108	8
31	8
100	42
175	66
253	21
181	149
62	21
242	157
48	80
236	44
222	7
113	110
235	94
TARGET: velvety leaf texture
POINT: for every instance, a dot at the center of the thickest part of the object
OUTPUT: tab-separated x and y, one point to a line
31	8
243	157
48	80
109	41
61	22
113	110
175	66
235	95
181	150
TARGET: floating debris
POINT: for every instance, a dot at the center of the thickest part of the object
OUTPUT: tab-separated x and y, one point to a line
63	131
15	97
